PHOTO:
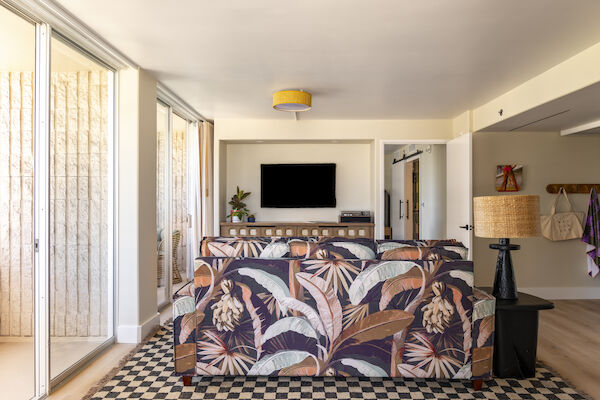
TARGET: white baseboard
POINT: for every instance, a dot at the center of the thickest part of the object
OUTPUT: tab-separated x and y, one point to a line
563	293
135	333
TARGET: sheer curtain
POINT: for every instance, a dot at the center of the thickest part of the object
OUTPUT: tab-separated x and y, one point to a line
207	179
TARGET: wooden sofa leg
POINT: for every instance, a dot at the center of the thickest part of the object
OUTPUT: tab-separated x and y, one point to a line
187	380
477	384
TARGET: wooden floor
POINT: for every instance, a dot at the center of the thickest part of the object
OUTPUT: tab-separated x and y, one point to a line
78	386
569	342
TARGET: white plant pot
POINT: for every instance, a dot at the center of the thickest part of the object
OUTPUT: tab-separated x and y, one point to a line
235	218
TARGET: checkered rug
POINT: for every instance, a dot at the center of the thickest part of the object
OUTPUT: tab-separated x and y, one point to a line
149	375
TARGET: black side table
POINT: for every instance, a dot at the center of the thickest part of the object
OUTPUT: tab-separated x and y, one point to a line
516	332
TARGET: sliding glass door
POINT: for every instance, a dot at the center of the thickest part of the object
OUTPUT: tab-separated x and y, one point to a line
81	318
179	213
17	273
56	206
162	212
172	218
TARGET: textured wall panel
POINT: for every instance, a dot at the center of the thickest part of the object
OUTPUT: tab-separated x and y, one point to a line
80	207
79	262
16	203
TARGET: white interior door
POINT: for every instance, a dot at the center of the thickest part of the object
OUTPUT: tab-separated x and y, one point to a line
397	199
459	190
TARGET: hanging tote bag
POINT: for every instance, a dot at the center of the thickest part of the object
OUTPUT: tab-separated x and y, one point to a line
562	225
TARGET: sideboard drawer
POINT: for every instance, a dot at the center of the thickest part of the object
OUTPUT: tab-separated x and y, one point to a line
286	230
283	229
308	231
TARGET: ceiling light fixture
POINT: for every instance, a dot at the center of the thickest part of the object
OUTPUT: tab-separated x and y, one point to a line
292	100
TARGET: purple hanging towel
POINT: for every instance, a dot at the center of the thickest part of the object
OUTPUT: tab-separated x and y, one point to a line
591	235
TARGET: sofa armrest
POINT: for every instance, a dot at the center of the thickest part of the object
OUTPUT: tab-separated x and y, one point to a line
484	309
184	330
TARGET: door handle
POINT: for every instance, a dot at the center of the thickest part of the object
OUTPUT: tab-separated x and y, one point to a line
466	227
400	210
407	210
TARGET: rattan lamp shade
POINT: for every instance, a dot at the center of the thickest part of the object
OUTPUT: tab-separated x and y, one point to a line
514	216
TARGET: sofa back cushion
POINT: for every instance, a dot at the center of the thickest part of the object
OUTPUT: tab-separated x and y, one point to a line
332	248
289	247
446	253
421	250
259	247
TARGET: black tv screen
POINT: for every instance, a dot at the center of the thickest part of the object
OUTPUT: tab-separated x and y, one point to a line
297	185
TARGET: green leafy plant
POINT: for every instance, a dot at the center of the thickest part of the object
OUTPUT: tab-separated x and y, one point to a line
238	207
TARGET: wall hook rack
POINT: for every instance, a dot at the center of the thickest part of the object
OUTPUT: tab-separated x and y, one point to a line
406	157
581	188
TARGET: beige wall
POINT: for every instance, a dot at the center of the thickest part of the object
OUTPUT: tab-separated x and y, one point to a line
551	269
353	184
373	131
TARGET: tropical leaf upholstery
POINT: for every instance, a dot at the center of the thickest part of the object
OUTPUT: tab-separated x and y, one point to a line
327	311
446	253
332	247
289	247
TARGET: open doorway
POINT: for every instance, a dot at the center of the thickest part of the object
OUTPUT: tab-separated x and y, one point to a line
415	191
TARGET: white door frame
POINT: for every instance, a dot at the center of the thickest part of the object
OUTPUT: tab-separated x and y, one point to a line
469	221
41	217
173	110
380	199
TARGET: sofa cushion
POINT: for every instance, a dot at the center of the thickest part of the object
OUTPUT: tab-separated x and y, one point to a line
388	249
289	247
421	243
260	247
446	253
333	247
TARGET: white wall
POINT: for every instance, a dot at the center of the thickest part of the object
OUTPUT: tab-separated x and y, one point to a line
353	177
550	269
374	131
136	276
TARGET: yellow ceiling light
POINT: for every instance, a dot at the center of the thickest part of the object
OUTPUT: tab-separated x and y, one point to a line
292	100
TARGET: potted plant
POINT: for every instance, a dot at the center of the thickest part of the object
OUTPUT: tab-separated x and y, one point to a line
251	218
238	207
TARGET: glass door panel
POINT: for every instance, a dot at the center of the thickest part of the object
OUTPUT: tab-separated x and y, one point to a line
179	212
162	218
81	264
17	347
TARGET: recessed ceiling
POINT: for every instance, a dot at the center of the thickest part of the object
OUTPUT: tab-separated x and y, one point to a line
378	59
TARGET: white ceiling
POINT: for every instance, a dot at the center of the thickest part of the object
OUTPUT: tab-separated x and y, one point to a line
376	59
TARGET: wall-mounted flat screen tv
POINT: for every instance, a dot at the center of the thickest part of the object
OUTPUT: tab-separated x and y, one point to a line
297	185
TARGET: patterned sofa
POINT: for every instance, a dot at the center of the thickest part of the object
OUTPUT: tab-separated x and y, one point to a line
333	306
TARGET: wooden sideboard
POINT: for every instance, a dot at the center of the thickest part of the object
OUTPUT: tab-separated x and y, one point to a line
338	229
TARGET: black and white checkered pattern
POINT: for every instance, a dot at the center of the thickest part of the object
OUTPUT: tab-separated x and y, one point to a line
149	375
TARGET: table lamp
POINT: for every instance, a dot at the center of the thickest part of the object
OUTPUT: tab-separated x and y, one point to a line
506	217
